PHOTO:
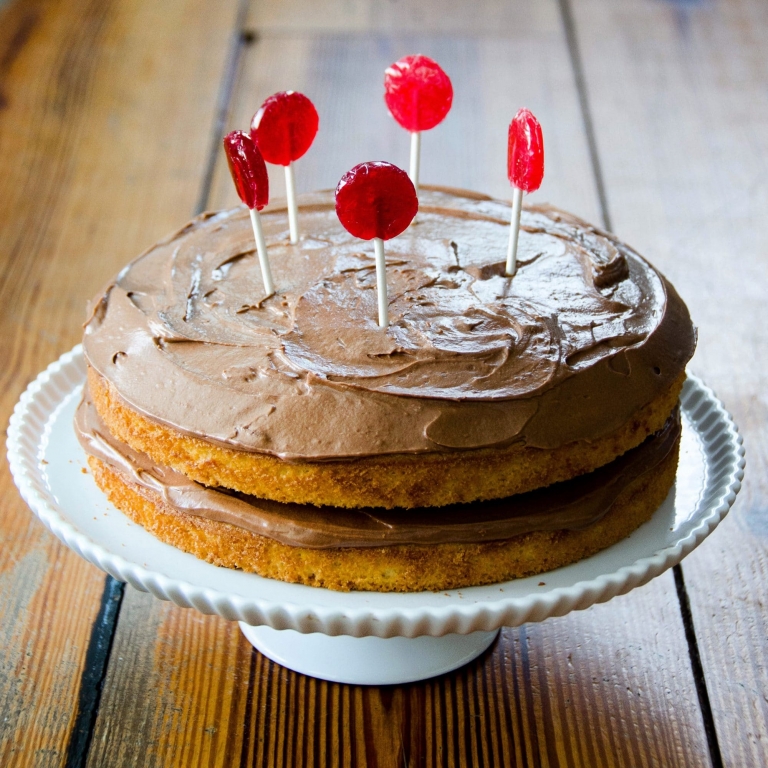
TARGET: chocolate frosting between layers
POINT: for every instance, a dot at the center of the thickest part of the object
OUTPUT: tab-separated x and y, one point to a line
584	335
571	505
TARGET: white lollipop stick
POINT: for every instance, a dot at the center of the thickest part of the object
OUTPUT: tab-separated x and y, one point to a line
261	249
381	281
514	231
415	158
293	212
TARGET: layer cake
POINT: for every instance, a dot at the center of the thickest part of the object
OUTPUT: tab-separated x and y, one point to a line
497	428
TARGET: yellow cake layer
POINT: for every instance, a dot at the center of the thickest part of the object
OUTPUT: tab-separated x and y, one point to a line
401	568
403	480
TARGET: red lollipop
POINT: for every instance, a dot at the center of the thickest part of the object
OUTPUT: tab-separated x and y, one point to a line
525	169
525	156
418	94
376	201
252	183
284	128
248	169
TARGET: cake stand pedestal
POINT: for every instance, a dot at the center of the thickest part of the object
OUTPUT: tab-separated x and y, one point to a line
359	637
368	660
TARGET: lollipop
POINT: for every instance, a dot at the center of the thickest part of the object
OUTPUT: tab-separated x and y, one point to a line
284	128
525	169
252	183
376	201
418	94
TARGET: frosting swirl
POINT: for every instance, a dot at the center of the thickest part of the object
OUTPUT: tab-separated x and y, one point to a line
586	333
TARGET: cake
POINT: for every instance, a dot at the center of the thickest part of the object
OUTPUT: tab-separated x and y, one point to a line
496	429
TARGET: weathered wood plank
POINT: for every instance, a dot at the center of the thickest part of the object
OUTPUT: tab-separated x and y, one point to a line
610	686
166	663
411	17
48	596
105	113
681	119
563	693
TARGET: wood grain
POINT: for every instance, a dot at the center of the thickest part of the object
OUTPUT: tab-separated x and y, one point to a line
167	663
48	596
611	686
567	692
489	18
105	113
681	123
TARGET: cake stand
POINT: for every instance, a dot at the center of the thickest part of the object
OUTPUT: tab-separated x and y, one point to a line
359	637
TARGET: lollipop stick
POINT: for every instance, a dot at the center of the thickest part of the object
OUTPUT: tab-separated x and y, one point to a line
381	281
293	214
514	230
261	249
415	157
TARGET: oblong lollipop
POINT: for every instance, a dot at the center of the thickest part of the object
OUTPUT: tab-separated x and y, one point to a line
418	94
284	128
249	173
525	170
376	201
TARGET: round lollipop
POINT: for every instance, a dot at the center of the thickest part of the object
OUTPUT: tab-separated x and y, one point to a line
377	201
284	128
252	183
525	169
418	94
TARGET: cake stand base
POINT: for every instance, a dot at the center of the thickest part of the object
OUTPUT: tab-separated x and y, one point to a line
367	660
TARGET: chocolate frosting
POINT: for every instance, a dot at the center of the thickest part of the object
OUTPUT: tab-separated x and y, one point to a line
585	334
571	505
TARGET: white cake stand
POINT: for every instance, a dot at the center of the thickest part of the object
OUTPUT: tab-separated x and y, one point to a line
359	637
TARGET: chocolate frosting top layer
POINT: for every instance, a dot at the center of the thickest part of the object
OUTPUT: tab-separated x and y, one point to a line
572	505
585	333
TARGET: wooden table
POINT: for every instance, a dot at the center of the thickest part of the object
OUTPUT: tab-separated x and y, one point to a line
655	115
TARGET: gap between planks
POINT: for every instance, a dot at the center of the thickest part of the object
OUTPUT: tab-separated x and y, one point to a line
698	669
